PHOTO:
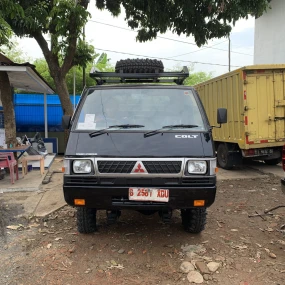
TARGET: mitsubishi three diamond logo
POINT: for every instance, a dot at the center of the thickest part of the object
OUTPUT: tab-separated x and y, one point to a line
139	168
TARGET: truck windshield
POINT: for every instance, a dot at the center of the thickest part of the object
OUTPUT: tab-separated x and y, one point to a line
152	108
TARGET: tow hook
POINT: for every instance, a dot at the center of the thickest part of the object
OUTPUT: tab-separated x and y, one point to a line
112	216
165	216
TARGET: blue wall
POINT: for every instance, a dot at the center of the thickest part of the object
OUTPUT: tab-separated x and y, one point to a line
29	112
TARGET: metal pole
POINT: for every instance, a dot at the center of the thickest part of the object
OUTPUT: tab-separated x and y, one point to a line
229	53
83	69
74	87
45	113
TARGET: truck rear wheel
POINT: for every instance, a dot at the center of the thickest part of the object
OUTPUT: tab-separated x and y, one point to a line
194	220
273	161
223	156
139	66
86	220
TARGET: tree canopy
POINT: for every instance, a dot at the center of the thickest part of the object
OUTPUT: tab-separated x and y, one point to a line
197	77
204	19
42	68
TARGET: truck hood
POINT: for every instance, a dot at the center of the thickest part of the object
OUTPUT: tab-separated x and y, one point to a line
133	144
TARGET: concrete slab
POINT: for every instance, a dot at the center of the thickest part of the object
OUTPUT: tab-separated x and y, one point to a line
244	173
52	198
276	170
51	201
30	182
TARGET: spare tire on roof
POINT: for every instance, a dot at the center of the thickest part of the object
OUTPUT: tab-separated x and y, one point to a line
139	66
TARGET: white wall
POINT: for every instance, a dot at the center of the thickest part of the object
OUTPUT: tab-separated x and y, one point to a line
269	37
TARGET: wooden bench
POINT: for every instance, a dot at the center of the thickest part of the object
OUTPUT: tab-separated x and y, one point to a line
32	158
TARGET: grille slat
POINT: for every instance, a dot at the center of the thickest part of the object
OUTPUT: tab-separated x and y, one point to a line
81	181
208	181
110	166
163	167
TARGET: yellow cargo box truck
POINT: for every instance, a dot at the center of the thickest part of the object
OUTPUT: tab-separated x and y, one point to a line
255	99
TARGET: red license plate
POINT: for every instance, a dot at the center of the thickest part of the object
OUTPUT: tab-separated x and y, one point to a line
149	194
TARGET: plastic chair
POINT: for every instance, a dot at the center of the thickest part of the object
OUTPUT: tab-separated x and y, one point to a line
7	160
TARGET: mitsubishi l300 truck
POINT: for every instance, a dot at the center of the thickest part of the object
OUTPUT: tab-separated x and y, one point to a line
140	145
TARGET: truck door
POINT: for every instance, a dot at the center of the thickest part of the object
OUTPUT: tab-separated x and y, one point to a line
279	93
260	107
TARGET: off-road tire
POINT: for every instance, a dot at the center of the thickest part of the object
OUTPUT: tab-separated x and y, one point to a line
139	66
194	220
274	161
86	220
223	157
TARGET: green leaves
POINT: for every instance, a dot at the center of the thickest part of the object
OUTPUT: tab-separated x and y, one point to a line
204	19
84	53
43	69
5	35
197	77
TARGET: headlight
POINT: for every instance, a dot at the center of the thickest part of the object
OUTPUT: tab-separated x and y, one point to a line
197	167
81	166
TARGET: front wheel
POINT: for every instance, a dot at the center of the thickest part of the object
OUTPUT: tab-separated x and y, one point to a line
86	220
194	220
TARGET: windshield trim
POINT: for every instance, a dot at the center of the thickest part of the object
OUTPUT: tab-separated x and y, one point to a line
92	89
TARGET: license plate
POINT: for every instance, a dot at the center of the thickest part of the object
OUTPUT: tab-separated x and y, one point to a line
266	151
149	194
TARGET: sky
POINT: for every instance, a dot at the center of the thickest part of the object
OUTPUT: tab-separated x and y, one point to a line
113	36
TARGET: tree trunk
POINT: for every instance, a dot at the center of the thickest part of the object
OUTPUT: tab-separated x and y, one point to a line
62	90
67	108
8	108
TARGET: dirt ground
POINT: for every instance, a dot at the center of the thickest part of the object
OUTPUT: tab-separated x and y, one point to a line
142	250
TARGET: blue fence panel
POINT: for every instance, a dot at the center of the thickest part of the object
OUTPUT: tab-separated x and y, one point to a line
29	112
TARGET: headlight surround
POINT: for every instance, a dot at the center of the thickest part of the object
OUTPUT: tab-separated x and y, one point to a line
197	167
82	166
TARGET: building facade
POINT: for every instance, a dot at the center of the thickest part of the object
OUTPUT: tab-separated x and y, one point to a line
269	37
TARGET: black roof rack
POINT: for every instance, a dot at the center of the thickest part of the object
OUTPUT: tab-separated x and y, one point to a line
121	77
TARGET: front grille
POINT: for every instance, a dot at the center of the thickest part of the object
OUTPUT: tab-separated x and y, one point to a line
199	182
107	166
80	181
162	167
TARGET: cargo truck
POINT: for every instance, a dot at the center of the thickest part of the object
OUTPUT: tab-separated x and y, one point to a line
255	99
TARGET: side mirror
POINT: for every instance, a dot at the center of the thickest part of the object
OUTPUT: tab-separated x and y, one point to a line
222	116
66	122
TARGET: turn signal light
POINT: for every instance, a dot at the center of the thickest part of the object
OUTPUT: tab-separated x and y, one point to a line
63	169
79	202
199	203
216	170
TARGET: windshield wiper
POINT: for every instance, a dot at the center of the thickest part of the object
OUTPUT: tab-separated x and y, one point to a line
103	131
182	126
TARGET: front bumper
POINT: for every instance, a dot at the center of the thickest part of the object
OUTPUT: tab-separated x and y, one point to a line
115	196
283	185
